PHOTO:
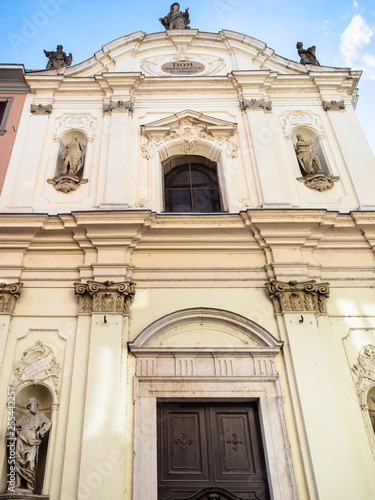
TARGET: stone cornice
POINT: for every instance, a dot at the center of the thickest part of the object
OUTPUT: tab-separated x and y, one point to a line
107	297
8	296
302	297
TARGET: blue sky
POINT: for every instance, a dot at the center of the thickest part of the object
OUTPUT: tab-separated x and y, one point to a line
343	31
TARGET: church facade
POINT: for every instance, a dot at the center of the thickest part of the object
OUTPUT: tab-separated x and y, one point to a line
187	257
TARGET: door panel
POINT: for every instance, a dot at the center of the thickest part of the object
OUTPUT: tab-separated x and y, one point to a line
210	451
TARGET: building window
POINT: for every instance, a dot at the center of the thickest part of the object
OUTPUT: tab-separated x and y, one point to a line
5	105
191	184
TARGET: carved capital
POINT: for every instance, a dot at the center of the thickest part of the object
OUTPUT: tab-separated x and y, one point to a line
118	106
257	104
39	109
333	105
294	296
104	297
320	181
8	296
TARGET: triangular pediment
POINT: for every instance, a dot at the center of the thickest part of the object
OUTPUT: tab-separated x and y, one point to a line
210	125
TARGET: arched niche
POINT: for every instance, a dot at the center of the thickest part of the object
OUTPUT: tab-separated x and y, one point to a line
45	405
202	354
310	134
70	161
76	140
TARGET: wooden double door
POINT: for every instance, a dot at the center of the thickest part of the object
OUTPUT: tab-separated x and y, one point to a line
210	451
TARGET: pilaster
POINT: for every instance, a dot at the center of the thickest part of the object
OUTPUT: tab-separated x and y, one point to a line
108	305
301	313
8	298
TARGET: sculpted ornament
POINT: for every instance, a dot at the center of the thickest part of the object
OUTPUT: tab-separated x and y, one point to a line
364	371
39	109
38	363
8	296
104	297
293	119
190	130
333	105
294	296
73	121
260	104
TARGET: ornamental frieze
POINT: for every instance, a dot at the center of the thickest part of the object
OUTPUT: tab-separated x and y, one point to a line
256	104
294	296
39	109
333	105
106	297
118	106
8	296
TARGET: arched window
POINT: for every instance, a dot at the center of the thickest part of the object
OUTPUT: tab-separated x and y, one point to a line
191	184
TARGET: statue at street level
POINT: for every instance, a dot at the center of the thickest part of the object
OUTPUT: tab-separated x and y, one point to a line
58	58
307	55
29	431
176	20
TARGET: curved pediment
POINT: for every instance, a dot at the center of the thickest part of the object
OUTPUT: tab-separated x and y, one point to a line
202	328
203	54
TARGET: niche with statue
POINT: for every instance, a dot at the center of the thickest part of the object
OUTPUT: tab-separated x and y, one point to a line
70	162
27	442
311	160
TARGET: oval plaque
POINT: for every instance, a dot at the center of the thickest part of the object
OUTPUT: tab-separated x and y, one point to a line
183	67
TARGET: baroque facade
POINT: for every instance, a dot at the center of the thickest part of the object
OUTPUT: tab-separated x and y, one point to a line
187	257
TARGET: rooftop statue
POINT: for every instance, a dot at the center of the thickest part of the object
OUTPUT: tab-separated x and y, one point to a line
307	55
58	58
176	20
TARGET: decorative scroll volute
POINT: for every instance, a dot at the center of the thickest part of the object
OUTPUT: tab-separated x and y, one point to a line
104	297
8	296
294	296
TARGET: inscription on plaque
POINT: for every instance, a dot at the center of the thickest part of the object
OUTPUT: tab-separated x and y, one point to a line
183	68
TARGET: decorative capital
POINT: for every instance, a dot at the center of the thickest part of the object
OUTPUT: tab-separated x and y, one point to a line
260	104
8	296
319	181
39	109
294	296
333	105
104	297
118	106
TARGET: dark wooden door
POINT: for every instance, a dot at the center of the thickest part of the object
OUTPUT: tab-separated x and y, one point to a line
210	451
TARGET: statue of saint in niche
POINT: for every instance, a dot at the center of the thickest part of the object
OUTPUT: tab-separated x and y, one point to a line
307	157
176	20
307	55
73	156
30	429
58	58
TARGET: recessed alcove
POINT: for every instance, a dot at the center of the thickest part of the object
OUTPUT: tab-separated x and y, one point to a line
310	135
65	140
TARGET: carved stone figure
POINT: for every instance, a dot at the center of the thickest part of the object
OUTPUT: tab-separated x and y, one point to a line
73	155
307	55
58	58
176	20
307	157
30	429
